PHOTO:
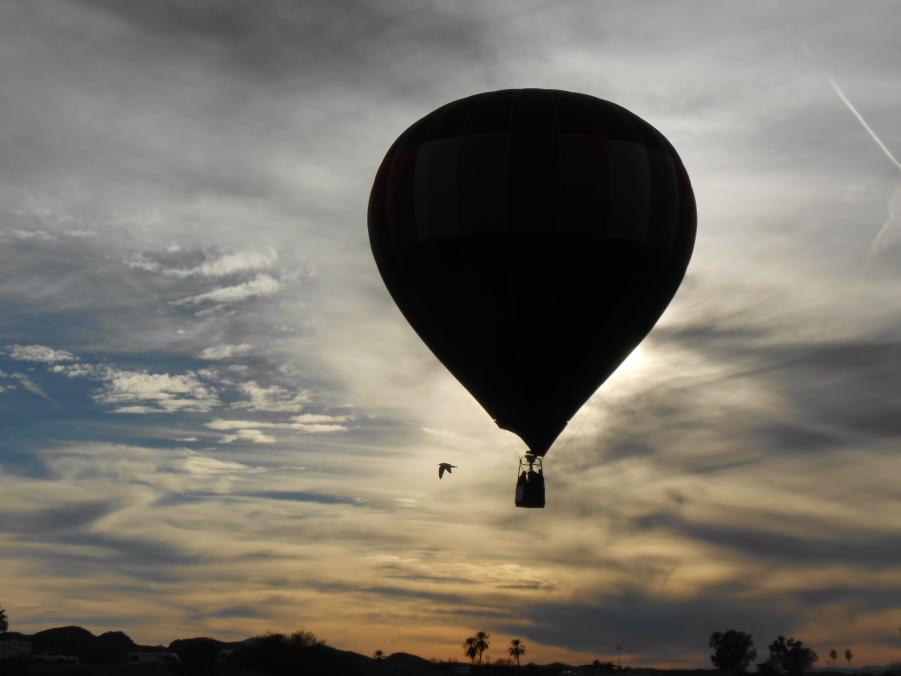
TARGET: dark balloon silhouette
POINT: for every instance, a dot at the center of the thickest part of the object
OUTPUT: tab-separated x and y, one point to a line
532	238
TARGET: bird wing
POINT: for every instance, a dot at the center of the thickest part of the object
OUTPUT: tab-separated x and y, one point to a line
440	471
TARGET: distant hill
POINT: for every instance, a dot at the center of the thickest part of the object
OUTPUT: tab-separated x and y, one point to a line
199	657
109	648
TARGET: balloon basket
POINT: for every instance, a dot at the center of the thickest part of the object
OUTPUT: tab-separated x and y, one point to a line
530	482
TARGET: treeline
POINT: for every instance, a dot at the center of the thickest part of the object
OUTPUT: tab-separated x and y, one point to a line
294	654
734	651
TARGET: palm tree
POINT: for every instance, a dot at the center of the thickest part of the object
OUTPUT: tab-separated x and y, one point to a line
378	655
516	649
833	655
482	643
848	656
470	649
4	623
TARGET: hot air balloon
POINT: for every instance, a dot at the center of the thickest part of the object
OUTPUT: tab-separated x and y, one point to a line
532	238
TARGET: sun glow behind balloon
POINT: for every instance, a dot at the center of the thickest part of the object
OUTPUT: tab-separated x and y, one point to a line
634	362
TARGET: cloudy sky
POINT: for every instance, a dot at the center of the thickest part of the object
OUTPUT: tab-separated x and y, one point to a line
214	421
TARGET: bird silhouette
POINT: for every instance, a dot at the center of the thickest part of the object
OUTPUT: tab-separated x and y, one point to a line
445	467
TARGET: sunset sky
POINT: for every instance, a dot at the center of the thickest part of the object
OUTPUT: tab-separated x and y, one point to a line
215	422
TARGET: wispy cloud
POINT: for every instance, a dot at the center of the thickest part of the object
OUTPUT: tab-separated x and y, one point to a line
203	465
214	266
261	285
39	353
250	430
230	264
273	398
219	352
251	435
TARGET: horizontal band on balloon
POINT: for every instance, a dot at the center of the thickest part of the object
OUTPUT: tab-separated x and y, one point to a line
581	185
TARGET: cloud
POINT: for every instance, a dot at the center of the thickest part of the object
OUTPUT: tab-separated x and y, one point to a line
306	496
202	465
261	285
645	624
223	425
298	422
229	264
214	266
140	410
317	428
220	352
66	517
167	393
32	234
273	398
824	543
313	418
253	436
140	261
249	430
79	370
39	353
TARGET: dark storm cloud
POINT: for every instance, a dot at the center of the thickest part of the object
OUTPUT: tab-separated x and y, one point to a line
232	611
50	520
281	39
643	623
85	554
320	498
844	388
823	543
24	463
855	598
135	551
841	391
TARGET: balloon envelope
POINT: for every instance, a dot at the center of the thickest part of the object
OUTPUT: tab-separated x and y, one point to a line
532	238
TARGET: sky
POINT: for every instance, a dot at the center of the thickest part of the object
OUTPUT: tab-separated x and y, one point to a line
215	422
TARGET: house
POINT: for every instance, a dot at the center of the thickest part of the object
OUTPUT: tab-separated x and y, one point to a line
153	658
14	648
227	656
54	658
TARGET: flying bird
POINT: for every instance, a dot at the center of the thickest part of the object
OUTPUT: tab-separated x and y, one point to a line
445	467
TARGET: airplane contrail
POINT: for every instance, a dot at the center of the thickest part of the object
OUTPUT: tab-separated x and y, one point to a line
892	222
863	122
35	389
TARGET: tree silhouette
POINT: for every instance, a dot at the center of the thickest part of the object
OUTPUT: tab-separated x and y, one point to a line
833	655
305	639
4	623
470	649
733	650
848	656
789	656
482	643
516	649
378	655
599	667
